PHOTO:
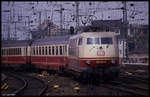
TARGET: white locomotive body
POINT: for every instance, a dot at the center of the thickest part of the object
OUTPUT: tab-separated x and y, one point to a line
93	50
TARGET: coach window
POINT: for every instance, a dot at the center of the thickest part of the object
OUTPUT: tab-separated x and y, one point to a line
49	50
42	50
60	50
39	50
33	50
2	51
56	50
9	52
16	51
12	51
63	47
53	50
19	51
46	50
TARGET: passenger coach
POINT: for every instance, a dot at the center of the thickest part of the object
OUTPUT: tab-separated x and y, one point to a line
50	53
15	53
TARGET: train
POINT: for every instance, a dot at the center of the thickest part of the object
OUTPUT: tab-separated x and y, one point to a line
83	53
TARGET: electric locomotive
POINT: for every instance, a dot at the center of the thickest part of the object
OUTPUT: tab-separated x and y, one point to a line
94	52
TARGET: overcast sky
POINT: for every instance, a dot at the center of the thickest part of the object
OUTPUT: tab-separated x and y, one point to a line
138	13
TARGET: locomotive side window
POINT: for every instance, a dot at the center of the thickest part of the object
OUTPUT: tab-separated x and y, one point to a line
106	40
80	41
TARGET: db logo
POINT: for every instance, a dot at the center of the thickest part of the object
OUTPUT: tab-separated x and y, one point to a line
100	53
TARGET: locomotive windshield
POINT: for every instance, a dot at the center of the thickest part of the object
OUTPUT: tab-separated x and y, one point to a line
104	40
93	41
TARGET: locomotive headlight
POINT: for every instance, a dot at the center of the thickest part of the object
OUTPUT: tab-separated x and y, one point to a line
113	61
88	62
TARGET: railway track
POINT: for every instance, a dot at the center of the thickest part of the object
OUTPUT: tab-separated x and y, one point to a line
32	86
129	85
123	86
12	85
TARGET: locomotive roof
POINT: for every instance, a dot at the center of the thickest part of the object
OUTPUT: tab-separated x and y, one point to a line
94	34
15	43
52	40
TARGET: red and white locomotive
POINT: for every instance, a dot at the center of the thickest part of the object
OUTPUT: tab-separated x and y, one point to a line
84	52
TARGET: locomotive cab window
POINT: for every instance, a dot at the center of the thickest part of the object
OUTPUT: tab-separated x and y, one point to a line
92	41
106	40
